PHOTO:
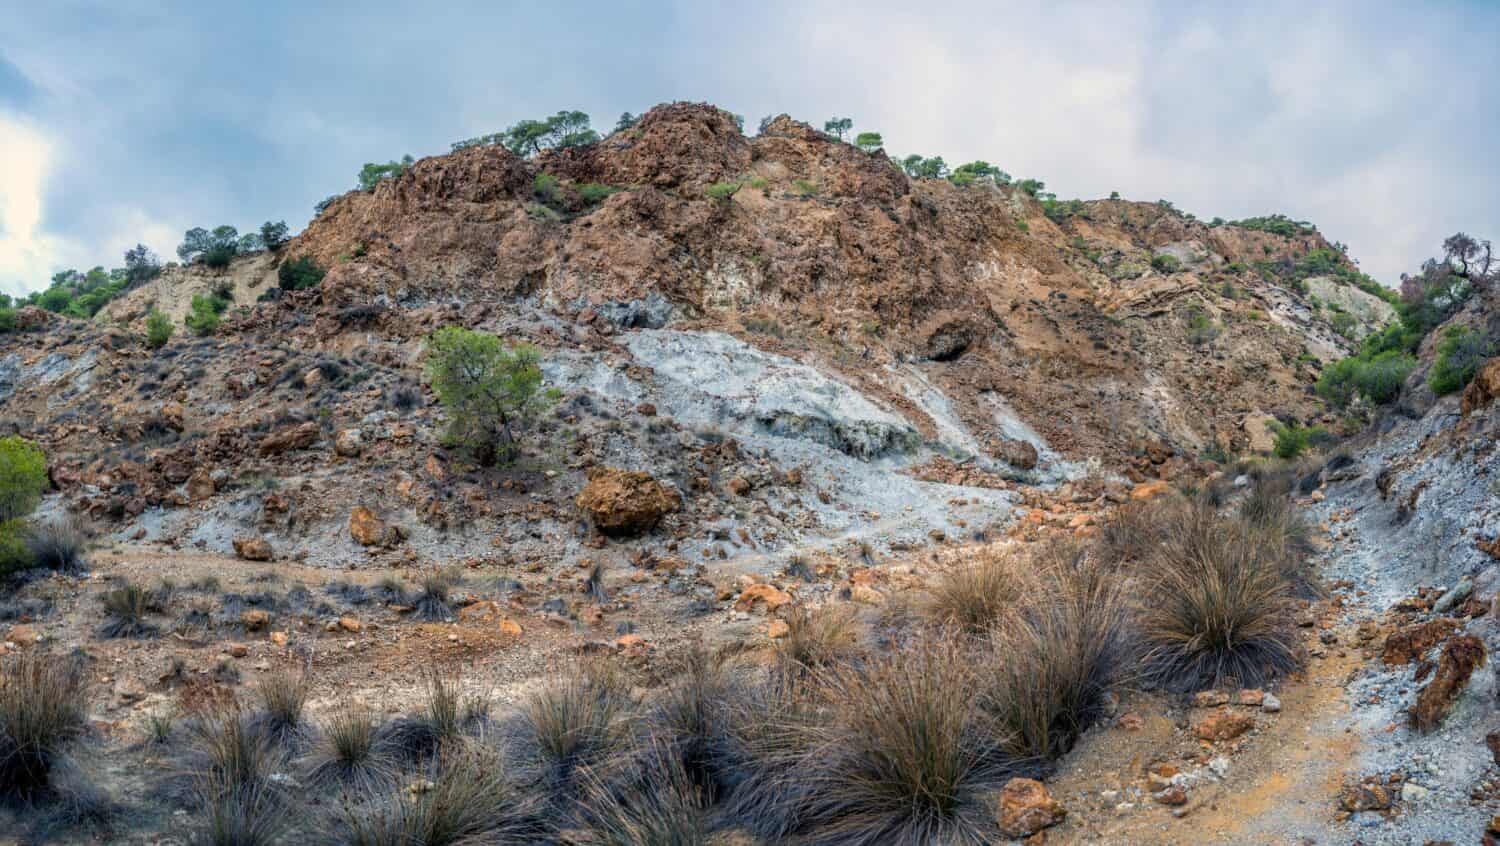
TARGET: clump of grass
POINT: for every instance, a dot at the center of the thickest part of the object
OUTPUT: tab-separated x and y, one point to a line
1050	667
42	711
159	725
432	603
469	802
282	695
59	544
1216	606
906	757
249	815
125	611
594	582
1135	530
692	718
227	754
977	595
349	753
816	639
658	804
441	724
572	723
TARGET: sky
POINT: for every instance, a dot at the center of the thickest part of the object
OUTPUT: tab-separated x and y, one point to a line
134	120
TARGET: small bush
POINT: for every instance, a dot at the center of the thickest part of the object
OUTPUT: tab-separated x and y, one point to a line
817	639
1165	263
126	609
1379	379
1459	355
42	710
906	757
432	603
1216	606
299	274
226	753
692	719
804	187
1292	441
158	329
58	544
577	722
282	697
440	725
348	753
23	477
593	193
657	804
547	189
252	815
976	595
490	391
203	317
721	190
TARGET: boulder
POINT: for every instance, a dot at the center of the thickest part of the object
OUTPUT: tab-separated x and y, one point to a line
1411	643
348	443
288	438
369	530
200	485
1026	807
1260	432
770	596
1017	453
253	548
1462	655
1364	796
625	502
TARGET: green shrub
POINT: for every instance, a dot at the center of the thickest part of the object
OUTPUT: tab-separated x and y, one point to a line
593	193
804	187
299	274
23	477
1378	379
1292	441
158	329
1343	323
203	319
1276	224
373	174
546	189
1459	355
7	319
869	141
721	190
1165	263
490	391
15	552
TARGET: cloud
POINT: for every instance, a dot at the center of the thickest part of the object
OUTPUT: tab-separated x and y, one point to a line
26	252
1371	119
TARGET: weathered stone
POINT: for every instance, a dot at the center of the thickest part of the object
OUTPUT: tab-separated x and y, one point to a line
1223	724
1412	642
1210	699
200	485
253	548
1364	796
1026	807
622	502
348	442
255	619
1462	655
771	597
368	529
288	438
1482	389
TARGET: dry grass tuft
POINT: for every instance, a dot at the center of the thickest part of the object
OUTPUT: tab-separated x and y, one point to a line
125	611
817	638
1216	605
282	695
579	721
349	754
42	711
977	595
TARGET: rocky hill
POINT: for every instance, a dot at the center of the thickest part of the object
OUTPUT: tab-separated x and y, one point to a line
864	331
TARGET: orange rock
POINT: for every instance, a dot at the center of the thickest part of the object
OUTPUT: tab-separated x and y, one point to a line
366	528
1149	490
1223	724
770	596
279	638
510	628
778	629
255	618
621	502
1026	807
350	624
23	635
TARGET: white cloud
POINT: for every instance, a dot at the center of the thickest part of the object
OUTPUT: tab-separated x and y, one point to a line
26	251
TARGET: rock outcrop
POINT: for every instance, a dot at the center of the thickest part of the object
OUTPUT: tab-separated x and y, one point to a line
623	502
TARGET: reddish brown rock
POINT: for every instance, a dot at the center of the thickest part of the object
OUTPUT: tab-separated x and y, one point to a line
1026	807
288	438
1482	389
1223	724
622	502
1367	795
368	529
767	595
1412	642
200	485
253	548
1462	655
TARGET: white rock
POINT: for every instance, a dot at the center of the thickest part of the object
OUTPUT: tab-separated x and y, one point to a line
1413	792
1270	704
1220	765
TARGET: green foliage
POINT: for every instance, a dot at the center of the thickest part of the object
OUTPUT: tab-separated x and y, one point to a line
273	234
489	390
1165	263
547	189
299	274
1276	224
1114	195
203	318
979	171
721	190
1459	355
918	167
1201	328
804	187
1378	379
869	141
1343	323
1058	211
593	193
23	477
15	552
215	249
1032	187
141	265
529	137
373	173
1292	441
158	329
626	121
838	126
7	319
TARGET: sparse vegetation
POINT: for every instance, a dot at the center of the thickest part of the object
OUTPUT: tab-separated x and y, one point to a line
721	191
1165	263
374	173
126	609
976	595
869	141
1459	354
158	329
42	711
299	274
1291	441
204	314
